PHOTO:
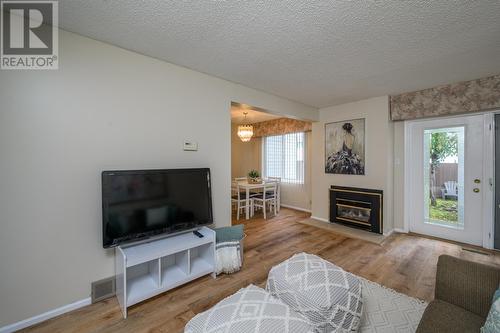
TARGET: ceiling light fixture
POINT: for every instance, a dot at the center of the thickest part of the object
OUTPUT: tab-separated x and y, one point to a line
245	132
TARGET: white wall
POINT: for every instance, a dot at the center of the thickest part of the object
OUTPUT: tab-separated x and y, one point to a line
399	180
378	157
105	108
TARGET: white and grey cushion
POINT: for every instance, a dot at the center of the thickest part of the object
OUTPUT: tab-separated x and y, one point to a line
324	293
250	310
227	257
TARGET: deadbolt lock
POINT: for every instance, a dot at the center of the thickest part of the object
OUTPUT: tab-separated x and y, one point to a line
477	181
476	190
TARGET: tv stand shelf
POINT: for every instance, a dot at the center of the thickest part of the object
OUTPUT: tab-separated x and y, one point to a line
148	269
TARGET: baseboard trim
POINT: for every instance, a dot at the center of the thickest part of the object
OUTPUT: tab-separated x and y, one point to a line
320	219
45	316
387	234
401	231
296	208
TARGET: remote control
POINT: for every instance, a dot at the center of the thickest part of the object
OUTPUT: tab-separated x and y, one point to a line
197	233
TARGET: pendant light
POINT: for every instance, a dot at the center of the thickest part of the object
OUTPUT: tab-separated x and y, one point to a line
245	132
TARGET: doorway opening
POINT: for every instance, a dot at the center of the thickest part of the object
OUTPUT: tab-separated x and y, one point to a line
270	163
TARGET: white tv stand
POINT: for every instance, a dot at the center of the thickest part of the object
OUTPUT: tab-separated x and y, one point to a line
149	269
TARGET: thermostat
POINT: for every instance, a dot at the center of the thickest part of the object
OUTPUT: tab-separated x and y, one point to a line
190	146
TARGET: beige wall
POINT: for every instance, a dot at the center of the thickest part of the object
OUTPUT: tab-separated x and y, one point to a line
378	157
245	156
105	108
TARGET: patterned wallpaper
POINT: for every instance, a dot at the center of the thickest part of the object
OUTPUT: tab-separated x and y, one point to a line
280	126
468	96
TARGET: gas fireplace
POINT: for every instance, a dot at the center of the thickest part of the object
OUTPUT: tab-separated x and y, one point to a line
357	207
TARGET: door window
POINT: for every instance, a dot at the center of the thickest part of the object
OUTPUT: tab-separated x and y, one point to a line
444	158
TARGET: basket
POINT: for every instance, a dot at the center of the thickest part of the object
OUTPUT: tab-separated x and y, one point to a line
254	180
241	248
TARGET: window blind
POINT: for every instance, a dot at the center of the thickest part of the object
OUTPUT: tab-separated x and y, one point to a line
284	157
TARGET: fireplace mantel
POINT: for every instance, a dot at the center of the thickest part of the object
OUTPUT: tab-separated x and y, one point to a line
357	207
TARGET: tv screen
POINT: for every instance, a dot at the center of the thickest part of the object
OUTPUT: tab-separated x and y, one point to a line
143	203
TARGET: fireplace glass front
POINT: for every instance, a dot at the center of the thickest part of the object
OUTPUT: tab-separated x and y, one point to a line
353	214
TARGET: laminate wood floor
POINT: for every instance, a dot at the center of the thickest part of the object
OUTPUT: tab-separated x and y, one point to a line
406	263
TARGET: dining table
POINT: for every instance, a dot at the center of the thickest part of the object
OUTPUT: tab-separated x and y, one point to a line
248	186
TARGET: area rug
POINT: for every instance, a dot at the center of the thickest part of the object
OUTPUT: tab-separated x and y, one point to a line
388	311
345	231
384	311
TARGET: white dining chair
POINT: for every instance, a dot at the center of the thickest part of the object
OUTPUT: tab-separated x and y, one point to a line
240	179
238	198
268	197
278	190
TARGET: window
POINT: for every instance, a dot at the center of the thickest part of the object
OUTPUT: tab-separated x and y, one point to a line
284	157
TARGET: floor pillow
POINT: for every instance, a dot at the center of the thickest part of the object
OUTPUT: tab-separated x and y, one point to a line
250	310
321	291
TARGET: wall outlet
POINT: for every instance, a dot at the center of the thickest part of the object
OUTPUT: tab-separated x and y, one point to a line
190	146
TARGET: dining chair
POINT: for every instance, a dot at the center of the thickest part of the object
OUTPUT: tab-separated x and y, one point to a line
278	190
239	179
267	197
238	198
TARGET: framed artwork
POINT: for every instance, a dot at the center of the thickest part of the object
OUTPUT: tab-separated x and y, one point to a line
345	147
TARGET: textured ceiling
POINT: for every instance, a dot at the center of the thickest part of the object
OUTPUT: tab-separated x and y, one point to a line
319	53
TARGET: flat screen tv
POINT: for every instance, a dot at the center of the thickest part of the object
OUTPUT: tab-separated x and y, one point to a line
138	204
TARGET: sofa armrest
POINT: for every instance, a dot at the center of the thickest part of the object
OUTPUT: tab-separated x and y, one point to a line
466	284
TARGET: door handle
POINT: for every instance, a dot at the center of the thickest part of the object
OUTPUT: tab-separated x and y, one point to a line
475	190
477	181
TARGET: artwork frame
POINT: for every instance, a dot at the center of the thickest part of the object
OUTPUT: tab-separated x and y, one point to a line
345	147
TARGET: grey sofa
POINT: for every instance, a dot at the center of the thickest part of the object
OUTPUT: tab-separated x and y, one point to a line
463	296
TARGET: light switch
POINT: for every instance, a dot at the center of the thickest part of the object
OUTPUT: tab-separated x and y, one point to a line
190	146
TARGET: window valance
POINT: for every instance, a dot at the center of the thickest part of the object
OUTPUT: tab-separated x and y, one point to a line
280	126
463	97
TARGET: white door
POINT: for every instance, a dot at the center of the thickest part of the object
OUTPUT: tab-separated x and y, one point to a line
446	183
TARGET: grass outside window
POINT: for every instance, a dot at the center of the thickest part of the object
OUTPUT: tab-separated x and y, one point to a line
444	210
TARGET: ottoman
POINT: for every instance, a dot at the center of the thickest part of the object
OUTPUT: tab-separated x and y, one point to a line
250	310
328	296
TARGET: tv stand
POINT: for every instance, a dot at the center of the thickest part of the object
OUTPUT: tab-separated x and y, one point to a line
148	269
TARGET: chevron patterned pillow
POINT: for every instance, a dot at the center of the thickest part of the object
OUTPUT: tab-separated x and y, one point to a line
250	310
324	293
